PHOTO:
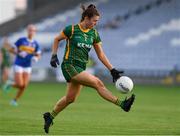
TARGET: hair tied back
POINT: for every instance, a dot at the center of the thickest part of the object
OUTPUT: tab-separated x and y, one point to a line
92	6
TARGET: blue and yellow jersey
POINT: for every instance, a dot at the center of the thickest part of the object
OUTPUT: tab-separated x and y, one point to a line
28	49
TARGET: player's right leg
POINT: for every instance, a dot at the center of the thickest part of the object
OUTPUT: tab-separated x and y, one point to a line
19	83
6	83
25	76
87	79
18	77
5	74
73	90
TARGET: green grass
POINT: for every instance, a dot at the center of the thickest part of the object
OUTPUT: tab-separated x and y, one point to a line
155	111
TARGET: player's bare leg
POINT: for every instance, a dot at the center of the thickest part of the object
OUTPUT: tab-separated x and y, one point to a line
73	91
22	86
21	82
87	79
74	88
5	74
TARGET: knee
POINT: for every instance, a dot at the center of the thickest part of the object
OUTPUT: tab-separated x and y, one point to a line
21	86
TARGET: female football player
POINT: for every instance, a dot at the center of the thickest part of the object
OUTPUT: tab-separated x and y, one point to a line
26	50
80	39
6	60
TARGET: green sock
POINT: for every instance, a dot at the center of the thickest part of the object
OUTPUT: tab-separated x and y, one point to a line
119	102
53	114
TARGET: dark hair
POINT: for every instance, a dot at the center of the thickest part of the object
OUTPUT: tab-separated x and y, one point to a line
89	12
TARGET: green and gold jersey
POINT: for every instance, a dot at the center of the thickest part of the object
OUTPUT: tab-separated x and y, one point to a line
79	43
5	57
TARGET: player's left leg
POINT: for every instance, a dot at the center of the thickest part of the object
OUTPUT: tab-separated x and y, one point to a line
5	74
18	78
25	78
87	79
4	77
22	77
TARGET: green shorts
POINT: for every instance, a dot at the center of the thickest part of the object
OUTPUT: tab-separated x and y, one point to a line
70	70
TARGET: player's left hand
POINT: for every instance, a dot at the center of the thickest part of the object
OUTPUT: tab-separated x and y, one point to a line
54	61
116	74
35	59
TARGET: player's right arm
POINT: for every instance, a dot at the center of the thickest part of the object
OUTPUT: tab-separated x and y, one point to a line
65	34
54	59
57	39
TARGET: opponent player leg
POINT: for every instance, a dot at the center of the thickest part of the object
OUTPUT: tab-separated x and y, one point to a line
22	76
18	77
25	81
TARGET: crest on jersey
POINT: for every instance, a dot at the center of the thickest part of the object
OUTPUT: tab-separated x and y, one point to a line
85	37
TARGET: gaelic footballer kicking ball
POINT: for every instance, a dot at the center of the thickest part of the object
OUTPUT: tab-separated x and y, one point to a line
124	84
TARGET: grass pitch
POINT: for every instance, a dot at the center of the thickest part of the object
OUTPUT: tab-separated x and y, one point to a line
156	111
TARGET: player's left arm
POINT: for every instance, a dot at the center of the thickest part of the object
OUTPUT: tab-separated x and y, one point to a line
37	53
101	55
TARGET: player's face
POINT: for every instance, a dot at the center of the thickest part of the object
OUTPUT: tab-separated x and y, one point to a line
91	22
31	31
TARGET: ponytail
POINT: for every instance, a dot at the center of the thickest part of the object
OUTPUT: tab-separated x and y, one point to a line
89	12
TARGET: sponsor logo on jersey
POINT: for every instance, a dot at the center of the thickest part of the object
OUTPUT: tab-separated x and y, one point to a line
83	45
27	49
78	37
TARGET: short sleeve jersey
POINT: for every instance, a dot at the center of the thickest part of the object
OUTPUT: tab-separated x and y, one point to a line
5	57
79	42
28	48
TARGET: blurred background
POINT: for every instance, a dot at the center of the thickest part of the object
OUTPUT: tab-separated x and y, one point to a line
141	37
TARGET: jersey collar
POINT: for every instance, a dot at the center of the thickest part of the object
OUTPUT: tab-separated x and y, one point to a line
83	30
29	40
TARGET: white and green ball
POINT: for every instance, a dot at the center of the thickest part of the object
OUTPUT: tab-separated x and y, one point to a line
124	84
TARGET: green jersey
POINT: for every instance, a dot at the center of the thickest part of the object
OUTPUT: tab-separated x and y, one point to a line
79	43
5	58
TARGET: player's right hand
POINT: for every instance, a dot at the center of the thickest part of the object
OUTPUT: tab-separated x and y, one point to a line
22	54
54	61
